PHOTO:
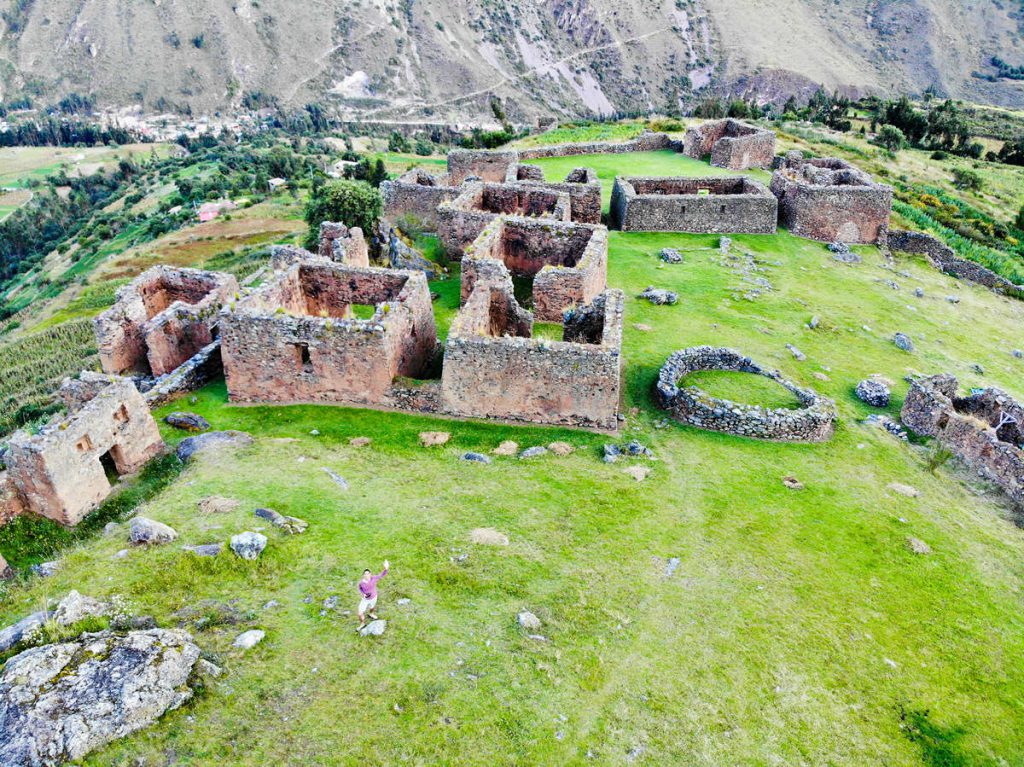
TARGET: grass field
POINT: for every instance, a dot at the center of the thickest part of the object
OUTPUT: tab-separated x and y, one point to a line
20	165
797	628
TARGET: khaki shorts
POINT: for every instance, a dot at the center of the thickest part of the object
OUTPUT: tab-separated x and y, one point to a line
366	604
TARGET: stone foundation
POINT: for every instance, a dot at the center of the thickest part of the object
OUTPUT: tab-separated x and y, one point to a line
813	422
984	429
61	472
416	194
297	339
583	188
568	262
701	205
830	200
161	319
731	144
943	258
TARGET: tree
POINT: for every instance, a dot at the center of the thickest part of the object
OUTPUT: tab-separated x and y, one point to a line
892	138
397	142
353	203
964	178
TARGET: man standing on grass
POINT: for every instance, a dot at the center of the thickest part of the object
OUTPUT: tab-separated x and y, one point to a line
368	591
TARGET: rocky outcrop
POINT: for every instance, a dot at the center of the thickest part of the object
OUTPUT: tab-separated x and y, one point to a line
60	702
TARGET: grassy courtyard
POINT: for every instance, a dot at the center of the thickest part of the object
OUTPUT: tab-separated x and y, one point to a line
796	628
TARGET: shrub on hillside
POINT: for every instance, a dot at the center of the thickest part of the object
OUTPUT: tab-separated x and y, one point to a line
963	178
892	138
353	203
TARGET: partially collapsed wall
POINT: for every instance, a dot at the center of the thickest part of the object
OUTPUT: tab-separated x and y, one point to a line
483	164
984	429
731	144
161	319
343	245
830	200
64	471
737	204
416	194
943	258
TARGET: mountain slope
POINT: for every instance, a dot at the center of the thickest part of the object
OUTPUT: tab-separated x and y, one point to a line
445	58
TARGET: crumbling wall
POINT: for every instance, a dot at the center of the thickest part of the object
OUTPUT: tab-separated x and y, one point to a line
814	421
296	340
417	193
984	429
828	199
943	258
701	205
162	318
493	369
343	245
584	190
59	472
645	142
731	144
568	262
483	164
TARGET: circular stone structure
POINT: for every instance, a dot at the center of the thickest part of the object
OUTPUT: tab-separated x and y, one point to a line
813	421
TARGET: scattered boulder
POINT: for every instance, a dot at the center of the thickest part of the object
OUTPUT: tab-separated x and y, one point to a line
216	504
793	483
59	702
187	422
873	392
360	441
841	252
659	296
797	354
209	550
1018	353
248	545
336	478
902	341
488	536
919	292
142	530
633	449
820	376
190	447
639	473
953	299
434	438
75	607
814	322
403	256
528	621
671	566
374	628
290	525
508	447
918	546
45	569
16	632
561	448
671	256
249	639
475	457
533	452
905	490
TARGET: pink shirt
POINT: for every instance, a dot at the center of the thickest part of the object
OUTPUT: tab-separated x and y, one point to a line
369	588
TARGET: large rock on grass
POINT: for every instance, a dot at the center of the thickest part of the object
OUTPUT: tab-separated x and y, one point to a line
248	545
212	441
59	702
192	422
142	530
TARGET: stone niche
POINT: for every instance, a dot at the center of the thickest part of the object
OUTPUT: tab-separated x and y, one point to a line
493	368
65	470
725	205
486	165
326	332
416	194
567	262
828	199
984	429
731	144
460	221
161	319
814	421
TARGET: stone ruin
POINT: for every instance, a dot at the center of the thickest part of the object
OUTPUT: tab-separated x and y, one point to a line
461	221
731	144
727	204
567	262
161	319
66	469
943	258
416	194
814	421
343	245
830	200
299	338
482	164
985	429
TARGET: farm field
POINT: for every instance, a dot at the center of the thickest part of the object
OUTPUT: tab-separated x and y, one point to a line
707	615
21	165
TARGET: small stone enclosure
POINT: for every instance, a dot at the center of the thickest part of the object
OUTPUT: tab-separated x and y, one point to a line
724	205
732	144
161	319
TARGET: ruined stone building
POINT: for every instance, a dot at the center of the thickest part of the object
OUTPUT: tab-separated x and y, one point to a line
344	245
731	144
726	204
829	199
326	332
66	470
567	262
985	429
416	194
161	319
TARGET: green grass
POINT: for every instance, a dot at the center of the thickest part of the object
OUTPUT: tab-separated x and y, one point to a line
797	629
742	388
584	133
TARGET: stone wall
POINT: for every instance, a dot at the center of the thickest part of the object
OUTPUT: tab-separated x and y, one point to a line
162	318
486	165
729	205
813	422
60	472
970	428
732	144
646	142
828	199
568	262
343	245
296	338
417	193
943	258
197	371
494	369
584	190
461	221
